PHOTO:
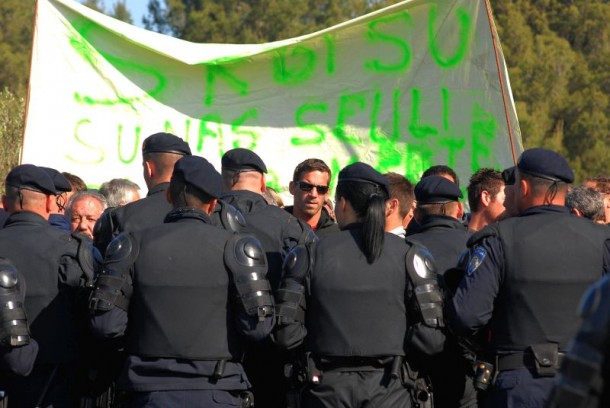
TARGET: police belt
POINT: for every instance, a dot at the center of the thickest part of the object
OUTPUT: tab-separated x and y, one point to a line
353	363
521	359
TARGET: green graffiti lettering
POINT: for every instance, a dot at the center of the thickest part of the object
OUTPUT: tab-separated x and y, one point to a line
349	106
91	55
98	158
168	127
416	129
484	127
215	72
446	103
187	130
418	158
403	54
135	148
331	54
302	124
453	144
251	135
294	66
464	38
206	132
376	135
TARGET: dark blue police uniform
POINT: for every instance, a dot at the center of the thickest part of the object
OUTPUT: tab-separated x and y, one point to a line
278	231
524	278
55	274
445	237
187	302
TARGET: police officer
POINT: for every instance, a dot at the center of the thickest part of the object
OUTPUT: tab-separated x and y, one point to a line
584	376
243	173
442	233
49	260
184	293
159	154
525	277
360	301
63	186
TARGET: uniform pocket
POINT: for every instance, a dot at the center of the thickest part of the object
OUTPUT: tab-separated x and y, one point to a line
225	399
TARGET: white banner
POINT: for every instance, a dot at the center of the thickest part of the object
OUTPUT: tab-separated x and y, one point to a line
419	83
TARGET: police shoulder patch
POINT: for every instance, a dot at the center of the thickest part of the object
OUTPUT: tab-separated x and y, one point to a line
476	259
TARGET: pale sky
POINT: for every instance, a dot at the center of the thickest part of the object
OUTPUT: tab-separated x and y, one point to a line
137	8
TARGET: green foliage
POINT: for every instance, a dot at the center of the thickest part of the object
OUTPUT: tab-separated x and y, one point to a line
558	53
251	21
16	23
11	128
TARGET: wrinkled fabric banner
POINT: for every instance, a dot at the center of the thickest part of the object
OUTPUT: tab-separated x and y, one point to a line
415	84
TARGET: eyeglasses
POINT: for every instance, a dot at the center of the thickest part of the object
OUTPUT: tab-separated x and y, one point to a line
303	186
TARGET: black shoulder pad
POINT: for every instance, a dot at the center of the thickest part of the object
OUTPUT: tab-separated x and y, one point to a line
85	256
231	218
119	248
489	231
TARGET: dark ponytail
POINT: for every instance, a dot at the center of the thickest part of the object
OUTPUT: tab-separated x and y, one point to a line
368	201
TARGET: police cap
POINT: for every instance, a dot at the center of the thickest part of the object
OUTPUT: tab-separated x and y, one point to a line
436	190
243	160
61	182
199	173
545	164
364	173
165	143
30	177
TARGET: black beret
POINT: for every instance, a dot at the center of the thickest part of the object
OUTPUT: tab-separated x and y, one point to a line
30	177
436	190
364	173
199	173
545	164
165	143
61	182
243	160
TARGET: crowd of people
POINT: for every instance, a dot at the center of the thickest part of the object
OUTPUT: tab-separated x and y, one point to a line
209	292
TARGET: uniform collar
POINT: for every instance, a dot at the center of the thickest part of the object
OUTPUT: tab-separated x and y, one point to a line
187	213
545	209
158	189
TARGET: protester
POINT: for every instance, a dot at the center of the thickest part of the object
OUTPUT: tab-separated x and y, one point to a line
120	191
310	188
602	185
586	202
83	211
485	198
401	204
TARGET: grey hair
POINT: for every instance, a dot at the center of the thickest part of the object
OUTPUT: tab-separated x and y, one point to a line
586	200
116	191
81	195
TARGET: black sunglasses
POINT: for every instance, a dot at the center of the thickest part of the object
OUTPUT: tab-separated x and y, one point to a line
303	186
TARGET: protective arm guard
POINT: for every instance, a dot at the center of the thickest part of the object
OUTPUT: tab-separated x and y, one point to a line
579	377
290	296
14	330
112	288
245	258
427	300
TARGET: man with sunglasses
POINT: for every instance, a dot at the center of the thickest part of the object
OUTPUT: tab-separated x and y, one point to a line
310	186
525	277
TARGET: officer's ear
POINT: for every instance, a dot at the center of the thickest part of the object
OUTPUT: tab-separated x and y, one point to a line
210	206
149	169
460	211
50	204
291	187
263	183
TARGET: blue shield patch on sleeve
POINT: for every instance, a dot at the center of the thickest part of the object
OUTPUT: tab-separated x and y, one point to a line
476	260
